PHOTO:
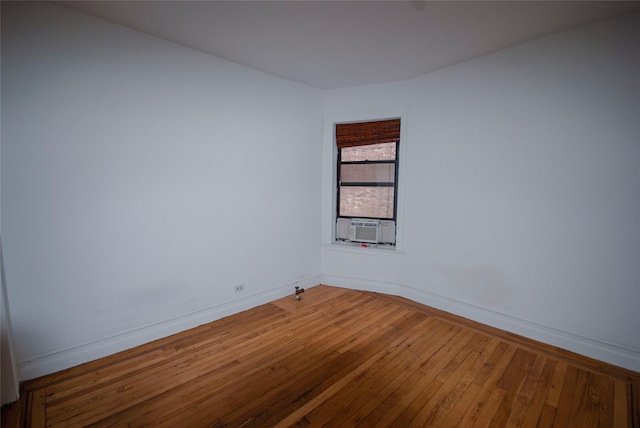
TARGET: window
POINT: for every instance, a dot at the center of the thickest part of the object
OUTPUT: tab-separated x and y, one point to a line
368	169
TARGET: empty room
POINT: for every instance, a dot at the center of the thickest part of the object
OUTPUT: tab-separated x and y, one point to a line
320	213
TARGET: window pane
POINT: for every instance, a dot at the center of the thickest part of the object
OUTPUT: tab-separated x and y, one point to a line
384	151
375	202
368	173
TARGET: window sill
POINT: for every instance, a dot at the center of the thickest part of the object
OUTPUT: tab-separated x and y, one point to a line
359	248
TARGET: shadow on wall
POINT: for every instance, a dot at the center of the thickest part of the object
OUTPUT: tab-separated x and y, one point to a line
9	374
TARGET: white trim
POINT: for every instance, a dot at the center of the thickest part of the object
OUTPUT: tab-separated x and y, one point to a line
61	359
611	353
357	248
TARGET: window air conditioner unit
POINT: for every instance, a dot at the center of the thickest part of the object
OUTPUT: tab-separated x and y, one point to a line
366	231
363	231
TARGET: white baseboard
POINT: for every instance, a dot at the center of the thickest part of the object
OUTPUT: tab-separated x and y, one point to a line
65	358
608	352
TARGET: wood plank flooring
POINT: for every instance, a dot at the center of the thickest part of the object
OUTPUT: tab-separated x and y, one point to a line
337	358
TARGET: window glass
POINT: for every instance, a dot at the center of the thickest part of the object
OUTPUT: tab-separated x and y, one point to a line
368	173
366	201
384	151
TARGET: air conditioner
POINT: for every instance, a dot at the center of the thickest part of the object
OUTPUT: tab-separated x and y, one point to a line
363	231
367	231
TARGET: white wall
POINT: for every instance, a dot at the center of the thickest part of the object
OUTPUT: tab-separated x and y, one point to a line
520	203
9	385
141	181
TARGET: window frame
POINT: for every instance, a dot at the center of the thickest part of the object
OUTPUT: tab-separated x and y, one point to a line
395	162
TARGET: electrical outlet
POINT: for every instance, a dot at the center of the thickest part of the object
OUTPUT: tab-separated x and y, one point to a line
239	288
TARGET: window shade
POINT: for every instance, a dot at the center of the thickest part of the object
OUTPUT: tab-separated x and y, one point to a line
364	133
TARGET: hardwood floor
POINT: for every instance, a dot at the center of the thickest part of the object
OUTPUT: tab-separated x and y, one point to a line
337	358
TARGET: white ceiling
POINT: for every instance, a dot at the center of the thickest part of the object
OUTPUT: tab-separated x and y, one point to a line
335	44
